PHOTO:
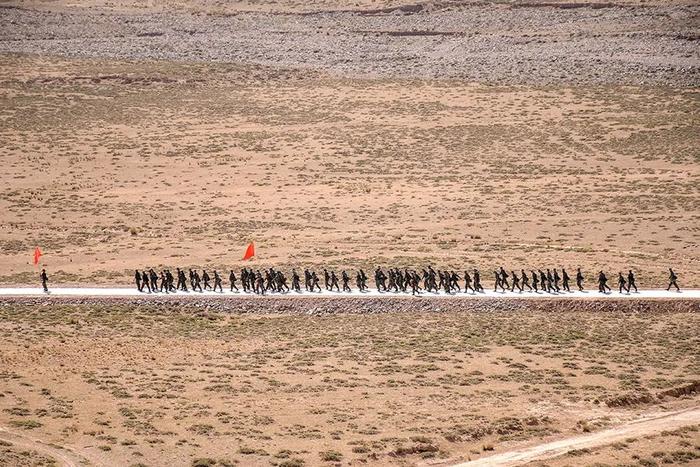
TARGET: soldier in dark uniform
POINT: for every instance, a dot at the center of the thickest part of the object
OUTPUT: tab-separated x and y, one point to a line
543	281
565	280
603	282
379	279
192	279
504	278
556	280
197	282
137	278
295	281
154	280
163	282
314	282
259	283
307	280
146	281
550	281
525	280
232	280
358	281
454	282
516	282
364	279
498	282
621	282
535	280
217	282
334	282
346	280
579	280
468	282
44	280
282	282
631	282
206	279
672	278
477	281
326	279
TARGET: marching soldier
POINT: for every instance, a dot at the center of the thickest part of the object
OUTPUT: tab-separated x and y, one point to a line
631	282
145	282
621	282
346	280
672	278
525	280
137	278
535	281
603	283
334	282
44	280
217	282
565	280
477	281
579	280
468	282
295	281
516	282
232	280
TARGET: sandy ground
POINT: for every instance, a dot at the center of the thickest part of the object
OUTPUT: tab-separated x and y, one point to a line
161	385
110	166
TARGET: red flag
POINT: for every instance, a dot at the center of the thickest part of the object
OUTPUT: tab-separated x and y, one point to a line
37	255
249	252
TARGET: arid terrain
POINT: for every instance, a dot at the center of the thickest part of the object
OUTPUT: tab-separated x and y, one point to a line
162	384
531	135
348	134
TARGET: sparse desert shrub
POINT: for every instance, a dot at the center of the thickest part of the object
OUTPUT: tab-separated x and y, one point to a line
292	463
204	462
331	456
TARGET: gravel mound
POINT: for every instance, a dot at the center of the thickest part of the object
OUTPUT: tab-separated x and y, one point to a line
324	306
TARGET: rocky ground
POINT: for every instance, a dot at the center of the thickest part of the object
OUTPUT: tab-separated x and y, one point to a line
159	384
365	305
519	43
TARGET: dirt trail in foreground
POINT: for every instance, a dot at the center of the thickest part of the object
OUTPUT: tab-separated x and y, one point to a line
644	426
62	456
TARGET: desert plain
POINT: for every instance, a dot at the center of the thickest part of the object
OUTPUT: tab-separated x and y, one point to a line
347	134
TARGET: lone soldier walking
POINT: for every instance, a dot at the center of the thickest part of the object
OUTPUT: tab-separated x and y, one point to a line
579	280
44	280
631	282
672	278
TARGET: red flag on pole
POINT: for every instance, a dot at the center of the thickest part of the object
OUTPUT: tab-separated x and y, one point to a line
37	255
249	252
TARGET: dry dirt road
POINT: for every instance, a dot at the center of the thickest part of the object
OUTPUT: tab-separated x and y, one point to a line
654	423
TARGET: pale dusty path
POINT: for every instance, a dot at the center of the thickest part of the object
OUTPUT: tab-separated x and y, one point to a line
132	292
651	424
64	457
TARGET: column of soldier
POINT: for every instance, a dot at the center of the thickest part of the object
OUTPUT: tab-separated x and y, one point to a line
393	280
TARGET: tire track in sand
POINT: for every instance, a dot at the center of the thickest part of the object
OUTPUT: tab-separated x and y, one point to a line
63	456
